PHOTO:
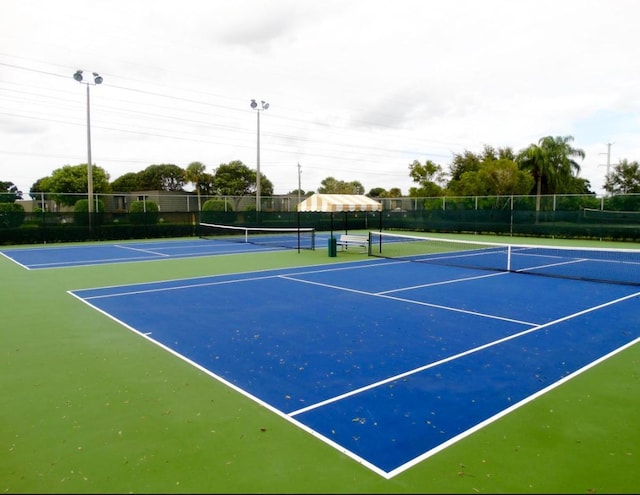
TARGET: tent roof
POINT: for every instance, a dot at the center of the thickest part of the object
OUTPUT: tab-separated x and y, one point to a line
339	202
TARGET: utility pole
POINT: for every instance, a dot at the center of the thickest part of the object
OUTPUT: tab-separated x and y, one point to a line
608	165
608	156
299	193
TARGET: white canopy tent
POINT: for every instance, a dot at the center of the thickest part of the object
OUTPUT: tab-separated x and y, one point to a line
339	202
331	203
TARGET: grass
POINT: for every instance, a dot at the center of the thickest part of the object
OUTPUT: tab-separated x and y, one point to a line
89	407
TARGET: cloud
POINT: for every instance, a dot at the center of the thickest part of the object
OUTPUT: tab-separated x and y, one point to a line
357	89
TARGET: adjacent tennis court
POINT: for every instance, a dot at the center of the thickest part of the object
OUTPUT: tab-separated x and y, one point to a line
385	359
228	241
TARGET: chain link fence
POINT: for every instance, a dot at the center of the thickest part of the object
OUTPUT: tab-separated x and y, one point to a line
48	217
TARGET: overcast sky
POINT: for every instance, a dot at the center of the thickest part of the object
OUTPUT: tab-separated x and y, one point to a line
357	89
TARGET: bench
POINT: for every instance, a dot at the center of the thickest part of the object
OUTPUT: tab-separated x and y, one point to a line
347	240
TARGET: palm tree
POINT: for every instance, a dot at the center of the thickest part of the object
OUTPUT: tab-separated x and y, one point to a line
194	173
551	162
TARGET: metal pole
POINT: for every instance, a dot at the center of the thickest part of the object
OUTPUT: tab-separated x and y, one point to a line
97	79
89	164
299	185
258	166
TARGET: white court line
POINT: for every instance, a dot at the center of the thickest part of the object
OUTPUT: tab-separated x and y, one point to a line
140	250
152	258
461	354
444	282
410	301
15	261
539	267
176	287
218	282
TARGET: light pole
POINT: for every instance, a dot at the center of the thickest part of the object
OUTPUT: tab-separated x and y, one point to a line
97	79
263	106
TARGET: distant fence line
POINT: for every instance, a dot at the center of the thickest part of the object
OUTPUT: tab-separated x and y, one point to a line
189	202
122	216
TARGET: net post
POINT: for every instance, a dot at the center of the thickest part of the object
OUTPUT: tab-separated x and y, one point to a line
509	257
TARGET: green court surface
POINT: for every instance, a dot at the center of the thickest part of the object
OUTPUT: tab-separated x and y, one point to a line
89	407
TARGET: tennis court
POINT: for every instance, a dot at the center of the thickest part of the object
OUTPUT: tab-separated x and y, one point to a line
385	359
227	241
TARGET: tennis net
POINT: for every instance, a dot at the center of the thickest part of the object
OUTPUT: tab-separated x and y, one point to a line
611	216
293	238
621	266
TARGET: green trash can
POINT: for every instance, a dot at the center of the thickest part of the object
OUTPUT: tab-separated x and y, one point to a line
333	247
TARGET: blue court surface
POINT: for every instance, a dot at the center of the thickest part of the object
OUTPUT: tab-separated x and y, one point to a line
387	361
62	256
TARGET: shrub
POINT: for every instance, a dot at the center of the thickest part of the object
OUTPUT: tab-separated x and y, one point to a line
81	212
144	212
11	215
212	207
217	205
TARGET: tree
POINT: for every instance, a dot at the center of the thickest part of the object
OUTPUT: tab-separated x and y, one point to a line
489	153
495	177
301	192
503	177
429	176
206	184
330	185
195	173
551	164
163	177
70	183
467	162
624	178
577	185
127	183
377	192
41	185
9	192
238	180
